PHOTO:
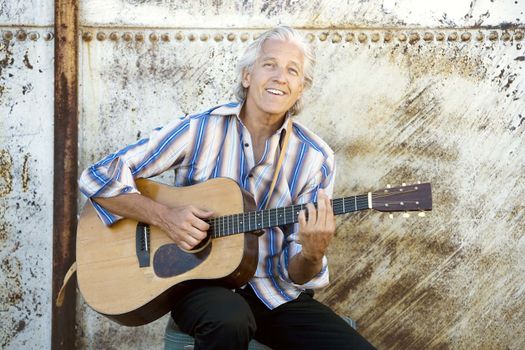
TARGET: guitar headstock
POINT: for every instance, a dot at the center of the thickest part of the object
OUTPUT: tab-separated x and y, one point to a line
417	197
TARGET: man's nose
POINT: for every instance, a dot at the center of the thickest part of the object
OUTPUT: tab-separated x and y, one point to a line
279	75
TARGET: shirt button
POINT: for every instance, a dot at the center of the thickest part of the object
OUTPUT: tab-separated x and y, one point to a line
246	145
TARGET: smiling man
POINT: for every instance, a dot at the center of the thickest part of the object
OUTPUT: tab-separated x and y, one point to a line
243	141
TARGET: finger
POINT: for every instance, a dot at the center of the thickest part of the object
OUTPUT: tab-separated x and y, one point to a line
199	224
189	241
201	213
321	210
301	218
312	213
197	234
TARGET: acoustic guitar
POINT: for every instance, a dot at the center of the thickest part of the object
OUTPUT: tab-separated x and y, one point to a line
133	273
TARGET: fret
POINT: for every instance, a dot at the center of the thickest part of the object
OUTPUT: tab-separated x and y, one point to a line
355	203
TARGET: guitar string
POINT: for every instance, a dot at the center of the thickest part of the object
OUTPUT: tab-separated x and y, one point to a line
224	222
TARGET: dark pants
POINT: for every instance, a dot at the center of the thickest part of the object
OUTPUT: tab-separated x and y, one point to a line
219	319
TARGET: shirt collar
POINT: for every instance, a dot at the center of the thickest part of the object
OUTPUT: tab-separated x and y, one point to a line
234	108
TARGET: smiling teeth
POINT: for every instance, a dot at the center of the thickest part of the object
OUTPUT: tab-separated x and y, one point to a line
275	92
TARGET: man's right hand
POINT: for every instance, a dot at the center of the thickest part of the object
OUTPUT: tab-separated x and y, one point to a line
185	225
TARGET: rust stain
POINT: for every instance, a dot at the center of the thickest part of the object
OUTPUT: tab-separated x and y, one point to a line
6	176
26	61
11	295
25	173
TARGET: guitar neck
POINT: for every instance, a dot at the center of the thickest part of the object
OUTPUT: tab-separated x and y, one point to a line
252	221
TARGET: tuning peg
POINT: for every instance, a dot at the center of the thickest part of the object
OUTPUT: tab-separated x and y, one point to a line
406	215
391	216
421	214
403	184
388	186
419	182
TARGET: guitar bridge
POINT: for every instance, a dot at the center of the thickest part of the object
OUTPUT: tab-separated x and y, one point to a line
142	243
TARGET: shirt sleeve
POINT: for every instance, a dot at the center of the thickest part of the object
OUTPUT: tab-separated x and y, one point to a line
322	179
116	174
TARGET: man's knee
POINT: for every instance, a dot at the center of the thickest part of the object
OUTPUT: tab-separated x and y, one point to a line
235	322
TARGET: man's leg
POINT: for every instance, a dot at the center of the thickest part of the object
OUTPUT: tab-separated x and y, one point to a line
302	324
216	317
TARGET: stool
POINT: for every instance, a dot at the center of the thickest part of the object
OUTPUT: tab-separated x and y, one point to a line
175	339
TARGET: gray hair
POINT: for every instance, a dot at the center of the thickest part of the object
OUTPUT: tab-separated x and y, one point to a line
253	51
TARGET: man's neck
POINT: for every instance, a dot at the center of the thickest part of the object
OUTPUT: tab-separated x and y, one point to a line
260	125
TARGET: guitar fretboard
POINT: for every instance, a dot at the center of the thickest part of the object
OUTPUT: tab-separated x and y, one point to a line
256	220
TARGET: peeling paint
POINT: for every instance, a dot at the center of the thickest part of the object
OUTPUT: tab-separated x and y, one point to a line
6	175
25	173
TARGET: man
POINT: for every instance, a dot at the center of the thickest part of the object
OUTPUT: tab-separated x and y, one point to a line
243	141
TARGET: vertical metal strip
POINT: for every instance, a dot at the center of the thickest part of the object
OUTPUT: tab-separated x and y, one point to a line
65	168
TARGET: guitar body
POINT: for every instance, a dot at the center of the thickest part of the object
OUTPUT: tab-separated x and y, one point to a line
108	272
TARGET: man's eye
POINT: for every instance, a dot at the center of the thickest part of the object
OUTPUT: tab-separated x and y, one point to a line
293	71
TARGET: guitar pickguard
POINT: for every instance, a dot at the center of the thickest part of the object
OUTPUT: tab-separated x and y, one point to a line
170	260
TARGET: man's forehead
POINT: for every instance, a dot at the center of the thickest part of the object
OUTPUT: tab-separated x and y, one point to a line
274	48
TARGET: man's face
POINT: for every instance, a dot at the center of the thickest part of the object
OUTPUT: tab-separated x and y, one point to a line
277	78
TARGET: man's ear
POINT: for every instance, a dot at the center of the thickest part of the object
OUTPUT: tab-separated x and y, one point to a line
246	77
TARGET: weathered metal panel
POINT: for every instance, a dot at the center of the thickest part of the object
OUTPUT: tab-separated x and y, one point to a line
397	105
27	13
26	184
309	14
402	93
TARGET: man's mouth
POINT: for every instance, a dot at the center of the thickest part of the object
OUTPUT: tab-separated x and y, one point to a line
275	92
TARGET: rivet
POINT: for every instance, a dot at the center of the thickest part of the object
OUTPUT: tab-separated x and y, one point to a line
388	37
465	36
362	37
231	37
414	38
192	37
349	37
505	36
428	37
165	37
336	38
48	36
8	35
453	36
87	36
218	37
153	37
101	36
402	37
440	36
493	35
139	37
244	37
375	37
310	37
204	37
113	36
480	36
179	36
34	36
21	35
518	35
323	36
127	36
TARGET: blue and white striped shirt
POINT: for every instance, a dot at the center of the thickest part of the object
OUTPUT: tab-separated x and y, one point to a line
213	144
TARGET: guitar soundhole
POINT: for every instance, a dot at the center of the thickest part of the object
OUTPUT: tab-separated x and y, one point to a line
170	260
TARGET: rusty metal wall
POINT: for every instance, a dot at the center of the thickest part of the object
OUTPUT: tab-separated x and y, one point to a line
404	91
26	173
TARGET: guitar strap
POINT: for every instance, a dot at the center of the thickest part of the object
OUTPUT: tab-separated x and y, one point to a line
280	161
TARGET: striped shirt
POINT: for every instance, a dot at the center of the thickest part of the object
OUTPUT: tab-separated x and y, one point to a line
215	143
